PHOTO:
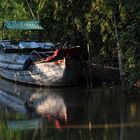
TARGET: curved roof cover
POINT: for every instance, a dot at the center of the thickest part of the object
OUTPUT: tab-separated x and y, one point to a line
22	25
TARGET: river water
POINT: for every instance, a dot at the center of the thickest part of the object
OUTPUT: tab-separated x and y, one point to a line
77	113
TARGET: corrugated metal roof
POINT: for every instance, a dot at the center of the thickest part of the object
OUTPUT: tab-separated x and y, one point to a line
22	25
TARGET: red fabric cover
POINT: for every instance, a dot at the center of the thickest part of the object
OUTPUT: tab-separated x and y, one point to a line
63	52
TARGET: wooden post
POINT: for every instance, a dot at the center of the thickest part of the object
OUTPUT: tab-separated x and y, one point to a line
89	73
119	54
119	48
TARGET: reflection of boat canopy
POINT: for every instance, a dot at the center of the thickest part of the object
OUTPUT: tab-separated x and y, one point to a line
25	124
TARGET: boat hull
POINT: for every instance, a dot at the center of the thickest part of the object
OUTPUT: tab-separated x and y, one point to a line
57	73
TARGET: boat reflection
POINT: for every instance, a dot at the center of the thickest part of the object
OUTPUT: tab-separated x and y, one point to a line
60	106
47	105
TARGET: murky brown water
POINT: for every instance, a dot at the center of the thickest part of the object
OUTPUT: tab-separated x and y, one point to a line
73	113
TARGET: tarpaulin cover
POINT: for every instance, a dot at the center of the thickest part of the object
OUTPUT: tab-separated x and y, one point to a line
22	25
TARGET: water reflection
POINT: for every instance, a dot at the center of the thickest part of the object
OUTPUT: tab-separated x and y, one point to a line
33	102
103	113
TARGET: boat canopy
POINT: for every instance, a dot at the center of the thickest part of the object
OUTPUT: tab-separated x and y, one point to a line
22	25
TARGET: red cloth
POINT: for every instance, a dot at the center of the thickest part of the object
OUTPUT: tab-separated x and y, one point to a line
52	56
63	53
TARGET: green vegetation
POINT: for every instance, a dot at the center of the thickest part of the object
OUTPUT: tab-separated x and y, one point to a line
86	21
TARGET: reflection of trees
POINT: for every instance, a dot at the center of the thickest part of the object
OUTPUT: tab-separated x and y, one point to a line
75	103
100	113
5	133
113	114
105	105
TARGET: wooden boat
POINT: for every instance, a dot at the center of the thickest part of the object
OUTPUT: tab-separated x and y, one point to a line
58	72
55	73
